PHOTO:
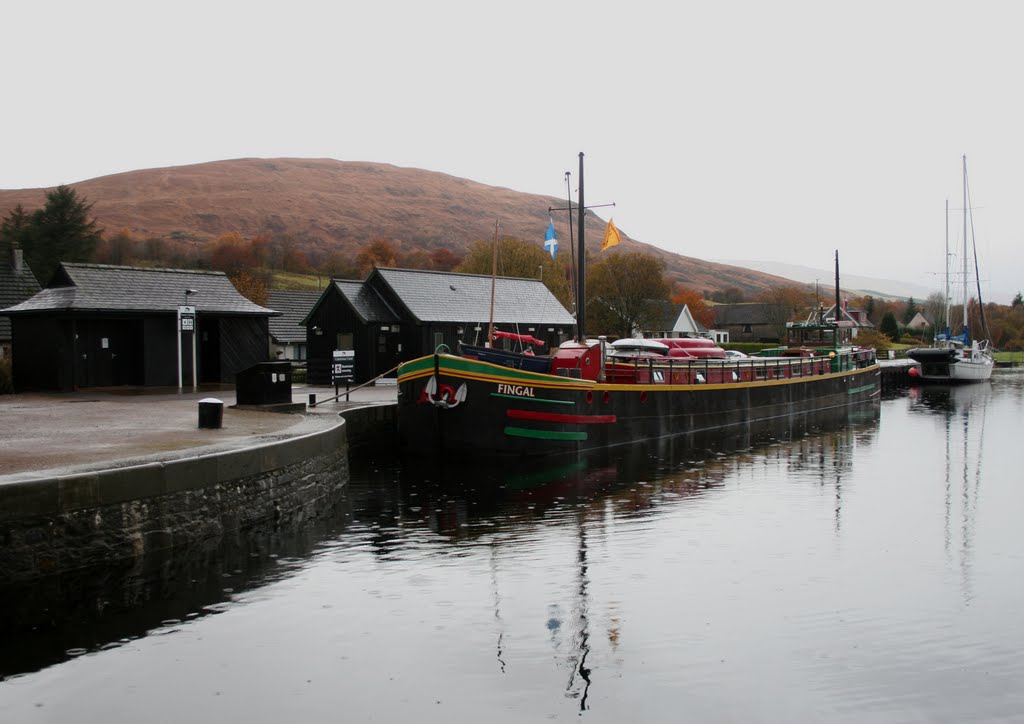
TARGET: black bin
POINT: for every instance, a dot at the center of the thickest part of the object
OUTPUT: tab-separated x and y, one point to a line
265	383
211	413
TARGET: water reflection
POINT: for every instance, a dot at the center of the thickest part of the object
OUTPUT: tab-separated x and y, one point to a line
961	411
386	511
65	616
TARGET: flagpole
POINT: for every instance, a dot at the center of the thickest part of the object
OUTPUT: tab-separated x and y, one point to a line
581	276
494	276
572	247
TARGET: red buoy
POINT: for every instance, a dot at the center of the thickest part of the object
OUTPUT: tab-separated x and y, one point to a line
913	372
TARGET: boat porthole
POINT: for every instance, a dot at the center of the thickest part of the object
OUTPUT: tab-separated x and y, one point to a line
590	397
605	398
643	397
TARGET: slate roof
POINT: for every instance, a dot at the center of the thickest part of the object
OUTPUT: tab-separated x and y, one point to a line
103	288
294	306
744	313
14	289
432	296
365	301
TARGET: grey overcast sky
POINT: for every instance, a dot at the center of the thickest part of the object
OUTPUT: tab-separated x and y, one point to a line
722	130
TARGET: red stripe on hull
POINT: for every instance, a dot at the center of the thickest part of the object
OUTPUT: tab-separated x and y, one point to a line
555	417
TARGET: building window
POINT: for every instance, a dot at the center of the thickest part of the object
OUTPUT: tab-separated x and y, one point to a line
344	341
438	340
300	351
747	329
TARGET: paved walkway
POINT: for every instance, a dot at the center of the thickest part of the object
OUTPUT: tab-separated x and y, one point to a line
101	428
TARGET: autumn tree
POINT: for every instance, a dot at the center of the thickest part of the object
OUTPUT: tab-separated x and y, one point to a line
231	254
117	249
378	253
250	286
60	231
519	259
696	304
626	292
444	259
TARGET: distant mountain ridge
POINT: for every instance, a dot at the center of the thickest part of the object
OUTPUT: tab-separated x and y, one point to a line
325	205
853	283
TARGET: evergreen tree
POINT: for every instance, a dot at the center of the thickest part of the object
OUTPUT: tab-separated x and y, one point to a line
60	231
890	327
911	311
1018	300
869	307
14	227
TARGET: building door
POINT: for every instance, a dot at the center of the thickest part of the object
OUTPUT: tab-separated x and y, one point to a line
209	349
388	346
109	352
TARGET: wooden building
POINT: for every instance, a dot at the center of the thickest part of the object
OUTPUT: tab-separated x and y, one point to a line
400	314
17	283
97	325
749	321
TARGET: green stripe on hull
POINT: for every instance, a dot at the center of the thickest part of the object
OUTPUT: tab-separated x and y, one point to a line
864	388
533	399
545	434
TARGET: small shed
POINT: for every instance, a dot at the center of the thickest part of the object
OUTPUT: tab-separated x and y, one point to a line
97	325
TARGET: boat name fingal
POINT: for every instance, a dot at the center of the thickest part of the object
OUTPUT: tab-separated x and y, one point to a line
517	390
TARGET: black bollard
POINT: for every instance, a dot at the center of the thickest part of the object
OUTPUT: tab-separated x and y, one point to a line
211	413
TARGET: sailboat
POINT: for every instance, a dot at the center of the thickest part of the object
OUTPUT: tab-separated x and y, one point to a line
957	358
590	397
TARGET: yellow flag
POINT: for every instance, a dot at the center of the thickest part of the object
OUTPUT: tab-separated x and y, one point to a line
611	236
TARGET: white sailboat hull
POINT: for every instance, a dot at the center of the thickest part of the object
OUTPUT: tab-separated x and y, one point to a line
971	370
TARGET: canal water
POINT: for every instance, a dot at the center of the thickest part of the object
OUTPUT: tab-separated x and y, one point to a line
872	573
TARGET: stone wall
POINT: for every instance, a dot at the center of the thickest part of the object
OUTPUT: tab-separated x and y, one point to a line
135	515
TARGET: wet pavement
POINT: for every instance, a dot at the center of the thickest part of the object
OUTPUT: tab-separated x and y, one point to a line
61	433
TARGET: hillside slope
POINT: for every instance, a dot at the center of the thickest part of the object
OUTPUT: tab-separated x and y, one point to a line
326	205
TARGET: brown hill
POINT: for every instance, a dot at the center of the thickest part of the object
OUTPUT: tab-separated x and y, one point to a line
325	205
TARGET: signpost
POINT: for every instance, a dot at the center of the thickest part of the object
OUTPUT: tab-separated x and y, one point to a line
187	325
343	369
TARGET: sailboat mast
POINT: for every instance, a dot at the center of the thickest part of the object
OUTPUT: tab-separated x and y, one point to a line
965	246
947	269
581	271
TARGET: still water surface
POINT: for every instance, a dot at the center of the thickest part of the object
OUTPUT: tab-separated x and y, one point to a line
869	574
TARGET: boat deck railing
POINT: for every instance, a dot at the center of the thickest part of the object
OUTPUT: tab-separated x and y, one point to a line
648	370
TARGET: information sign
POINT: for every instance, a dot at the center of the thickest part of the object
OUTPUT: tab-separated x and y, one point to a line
344	365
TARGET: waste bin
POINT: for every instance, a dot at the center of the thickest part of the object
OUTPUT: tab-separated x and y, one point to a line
211	413
265	383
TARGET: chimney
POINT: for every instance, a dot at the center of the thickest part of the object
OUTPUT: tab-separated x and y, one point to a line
17	259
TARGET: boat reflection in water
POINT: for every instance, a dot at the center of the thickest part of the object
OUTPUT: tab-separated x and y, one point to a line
961	412
467	502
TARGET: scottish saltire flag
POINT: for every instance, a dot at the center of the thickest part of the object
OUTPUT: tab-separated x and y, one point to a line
550	242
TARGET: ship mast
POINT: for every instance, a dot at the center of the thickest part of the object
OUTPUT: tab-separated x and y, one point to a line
581	272
965	328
